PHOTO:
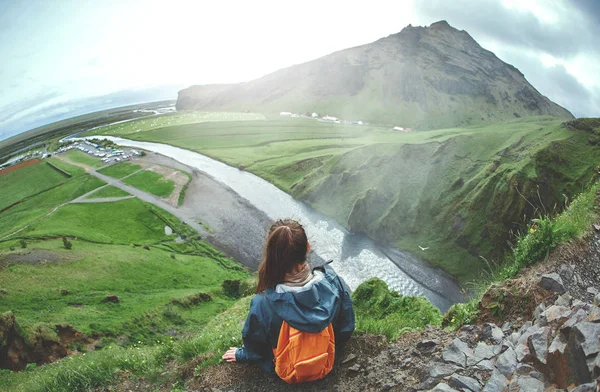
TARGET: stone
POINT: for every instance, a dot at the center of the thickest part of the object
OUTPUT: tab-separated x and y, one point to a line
355	368
526	384
538	343
492	332
594	316
567	271
496	383
524	369
507	362
588	387
514	338
486	364
507	328
597	300
588	337
557	314
440	370
485	351
592	290
522	347
441	387
349	358
552	282
525	327
558	346
458	352
538	314
464	383
594	366
427	346
579	316
563	300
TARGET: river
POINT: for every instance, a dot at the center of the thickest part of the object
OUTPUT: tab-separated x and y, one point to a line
355	257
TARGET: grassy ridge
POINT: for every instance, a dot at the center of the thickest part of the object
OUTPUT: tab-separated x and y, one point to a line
39	176
77	156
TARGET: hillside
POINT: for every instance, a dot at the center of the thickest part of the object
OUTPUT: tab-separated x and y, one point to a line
423	77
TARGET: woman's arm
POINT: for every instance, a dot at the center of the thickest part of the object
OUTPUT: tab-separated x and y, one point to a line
255	335
345	323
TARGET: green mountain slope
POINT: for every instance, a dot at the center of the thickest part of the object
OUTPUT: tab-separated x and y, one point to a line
423	77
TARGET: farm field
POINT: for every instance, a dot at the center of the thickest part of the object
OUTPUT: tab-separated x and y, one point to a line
107	192
77	156
40	177
151	182
120	170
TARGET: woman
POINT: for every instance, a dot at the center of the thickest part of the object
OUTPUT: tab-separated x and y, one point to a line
294	300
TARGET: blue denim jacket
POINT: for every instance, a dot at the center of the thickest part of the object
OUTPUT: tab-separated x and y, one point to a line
312	310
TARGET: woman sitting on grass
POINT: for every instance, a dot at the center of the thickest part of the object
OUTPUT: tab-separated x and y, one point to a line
299	314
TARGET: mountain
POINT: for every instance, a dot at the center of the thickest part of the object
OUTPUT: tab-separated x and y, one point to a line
423	77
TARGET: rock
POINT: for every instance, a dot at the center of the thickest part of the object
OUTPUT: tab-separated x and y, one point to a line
524	369
507	328
496	383
486	364
464	383
538	314
567	271
427	346
484	351
594	367
594	316
579	316
526	384
596	227
441	387
597	300
563	300
112	299
558	346
507	362
538	343
522	347
552	282
557	314
592	290
458	352
525	327
589	387
406	362
587	336
440	370
355	368
492	332
349	358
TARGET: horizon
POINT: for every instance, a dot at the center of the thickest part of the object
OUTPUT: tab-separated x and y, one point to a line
123	62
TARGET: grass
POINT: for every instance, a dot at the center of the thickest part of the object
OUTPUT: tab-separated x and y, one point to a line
184	189
120	170
385	312
28	181
107	192
127	221
77	156
457	191
73	170
38	206
151	182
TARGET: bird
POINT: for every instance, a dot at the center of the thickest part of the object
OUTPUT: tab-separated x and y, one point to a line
420	247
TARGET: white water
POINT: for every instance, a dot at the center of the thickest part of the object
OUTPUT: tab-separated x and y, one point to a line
355	257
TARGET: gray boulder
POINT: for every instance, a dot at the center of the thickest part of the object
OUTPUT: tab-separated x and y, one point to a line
597	300
458	352
492	332
526	384
441	387
538	343
563	300
464	383
552	282
507	362
589	387
587	336
594	316
496	383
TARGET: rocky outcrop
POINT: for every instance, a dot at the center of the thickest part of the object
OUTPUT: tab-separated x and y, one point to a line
558	349
422	77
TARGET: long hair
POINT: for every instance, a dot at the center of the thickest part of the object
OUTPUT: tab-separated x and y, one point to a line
286	246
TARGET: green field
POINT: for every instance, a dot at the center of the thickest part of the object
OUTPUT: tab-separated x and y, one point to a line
121	222
40	177
120	170
458	191
151	182
73	170
77	156
107	192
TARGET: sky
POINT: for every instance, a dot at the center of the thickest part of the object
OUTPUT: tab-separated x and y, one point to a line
62	58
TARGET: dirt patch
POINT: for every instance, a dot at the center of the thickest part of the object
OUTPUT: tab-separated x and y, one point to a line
178	178
513	300
19	166
34	257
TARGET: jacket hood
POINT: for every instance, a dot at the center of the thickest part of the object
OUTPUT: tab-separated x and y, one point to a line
310	310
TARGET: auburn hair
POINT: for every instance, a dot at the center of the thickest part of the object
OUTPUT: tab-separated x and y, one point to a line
286	246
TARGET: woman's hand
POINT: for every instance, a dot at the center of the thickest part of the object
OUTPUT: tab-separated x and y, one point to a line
229	356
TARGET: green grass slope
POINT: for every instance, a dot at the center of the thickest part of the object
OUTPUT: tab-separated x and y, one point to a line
459	191
151	182
28	181
120	170
107	192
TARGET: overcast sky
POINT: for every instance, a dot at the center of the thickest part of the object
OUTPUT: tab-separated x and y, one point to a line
57	53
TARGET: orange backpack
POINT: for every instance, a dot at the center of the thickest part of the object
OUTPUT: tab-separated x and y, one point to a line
302	356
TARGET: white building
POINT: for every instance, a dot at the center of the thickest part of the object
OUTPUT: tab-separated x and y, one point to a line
330	118
314	115
286	114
